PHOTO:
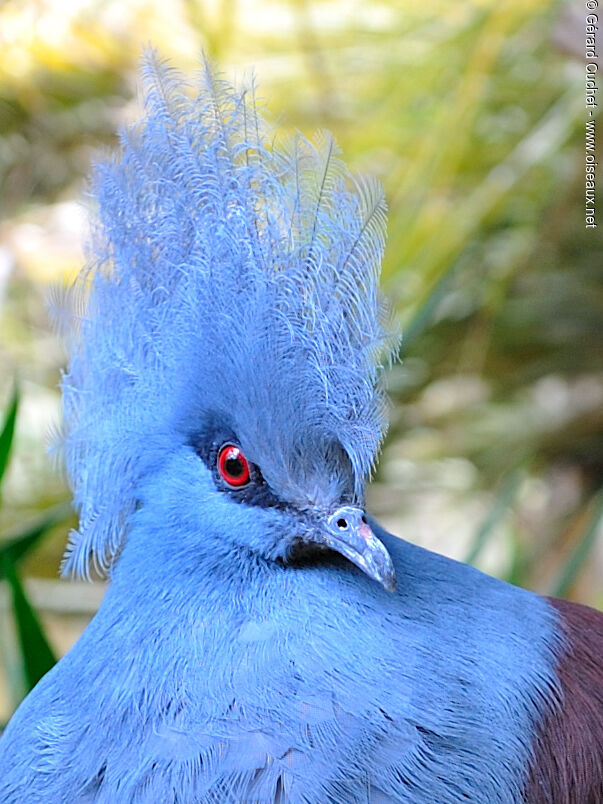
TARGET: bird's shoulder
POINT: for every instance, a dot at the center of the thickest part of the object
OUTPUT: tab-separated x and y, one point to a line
568	756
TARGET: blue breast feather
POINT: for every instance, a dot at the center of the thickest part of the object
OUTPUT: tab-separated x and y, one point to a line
293	687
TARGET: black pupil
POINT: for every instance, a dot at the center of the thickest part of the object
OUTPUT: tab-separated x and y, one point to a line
234	466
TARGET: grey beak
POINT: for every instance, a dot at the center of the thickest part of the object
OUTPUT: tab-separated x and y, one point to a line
348	532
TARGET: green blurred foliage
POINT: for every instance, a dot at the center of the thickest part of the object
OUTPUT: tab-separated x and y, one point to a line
472	115
36	655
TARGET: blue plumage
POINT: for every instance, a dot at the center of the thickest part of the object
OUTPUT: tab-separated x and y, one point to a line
222	413
229	272
229	684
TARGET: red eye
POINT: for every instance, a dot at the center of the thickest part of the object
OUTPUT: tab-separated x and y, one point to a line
233	465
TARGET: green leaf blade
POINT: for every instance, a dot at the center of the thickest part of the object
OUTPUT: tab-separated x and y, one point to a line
37	655
8	432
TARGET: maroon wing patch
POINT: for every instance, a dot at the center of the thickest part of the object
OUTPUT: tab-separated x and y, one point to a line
568	758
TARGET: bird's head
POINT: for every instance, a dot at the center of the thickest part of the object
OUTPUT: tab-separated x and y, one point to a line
226	356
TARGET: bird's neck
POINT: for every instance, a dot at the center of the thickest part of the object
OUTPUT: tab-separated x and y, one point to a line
197	577
223	627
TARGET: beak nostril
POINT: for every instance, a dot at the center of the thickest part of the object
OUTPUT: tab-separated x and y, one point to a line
348	531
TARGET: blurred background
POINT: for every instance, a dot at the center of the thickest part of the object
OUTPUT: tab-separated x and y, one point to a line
472	115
